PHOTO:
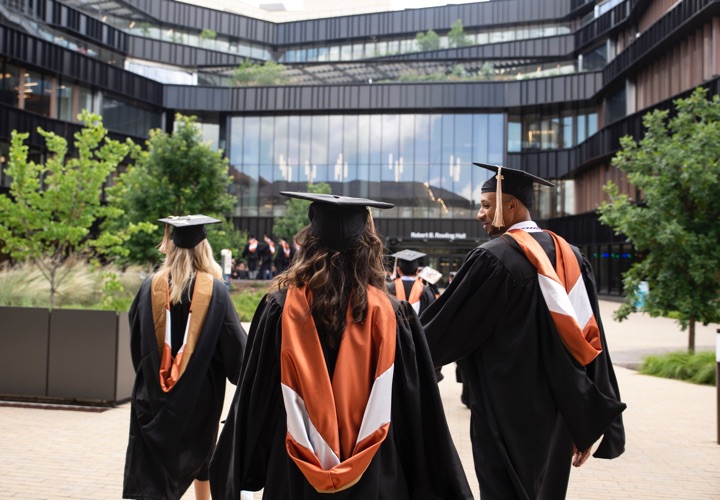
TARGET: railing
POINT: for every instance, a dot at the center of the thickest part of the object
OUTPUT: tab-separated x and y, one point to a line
657	34
602	25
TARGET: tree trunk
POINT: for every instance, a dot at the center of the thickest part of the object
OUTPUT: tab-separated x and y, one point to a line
691	335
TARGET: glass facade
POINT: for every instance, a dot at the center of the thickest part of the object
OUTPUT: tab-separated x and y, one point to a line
547	131
420	162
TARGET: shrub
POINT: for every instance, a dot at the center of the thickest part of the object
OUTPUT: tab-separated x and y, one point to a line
246	300
698	368
85	287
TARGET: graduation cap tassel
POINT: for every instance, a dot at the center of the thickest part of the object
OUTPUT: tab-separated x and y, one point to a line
498	221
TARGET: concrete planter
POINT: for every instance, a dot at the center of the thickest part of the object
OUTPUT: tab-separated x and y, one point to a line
67	355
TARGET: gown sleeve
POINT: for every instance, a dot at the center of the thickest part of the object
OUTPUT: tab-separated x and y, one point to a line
423	439
232	343
134	320
243	449
464	316
602	373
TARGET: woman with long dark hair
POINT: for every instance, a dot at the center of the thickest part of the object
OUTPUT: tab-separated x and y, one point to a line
337	393
186	341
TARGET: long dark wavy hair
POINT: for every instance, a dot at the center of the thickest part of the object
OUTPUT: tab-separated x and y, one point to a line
336	278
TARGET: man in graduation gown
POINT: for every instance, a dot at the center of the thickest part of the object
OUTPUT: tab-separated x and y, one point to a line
407	286
290	431
183	353
522	314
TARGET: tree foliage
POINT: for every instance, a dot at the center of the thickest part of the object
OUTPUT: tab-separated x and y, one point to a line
427	41
296	214
249	73
456	35
52	208
676	167
177	174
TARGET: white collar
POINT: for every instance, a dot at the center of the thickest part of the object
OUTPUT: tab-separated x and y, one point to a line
408	278
528	226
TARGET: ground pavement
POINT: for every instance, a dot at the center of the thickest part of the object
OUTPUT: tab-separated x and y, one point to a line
671	434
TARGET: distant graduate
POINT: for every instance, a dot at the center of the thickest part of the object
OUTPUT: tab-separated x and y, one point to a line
186	341
337	396
407	285
522	317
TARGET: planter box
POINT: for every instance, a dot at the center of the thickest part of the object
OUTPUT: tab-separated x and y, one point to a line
67	355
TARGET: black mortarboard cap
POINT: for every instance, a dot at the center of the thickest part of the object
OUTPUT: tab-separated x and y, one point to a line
517	183
188	230
338	221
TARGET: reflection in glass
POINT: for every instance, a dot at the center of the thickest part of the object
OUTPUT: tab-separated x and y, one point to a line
421	163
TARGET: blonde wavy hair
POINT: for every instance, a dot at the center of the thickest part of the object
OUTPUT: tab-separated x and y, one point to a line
183	263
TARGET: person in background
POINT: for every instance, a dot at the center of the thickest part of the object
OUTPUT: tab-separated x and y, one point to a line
337	396
186	341
251	253
284	256
241	272
226	264
266	258
522	316
407	285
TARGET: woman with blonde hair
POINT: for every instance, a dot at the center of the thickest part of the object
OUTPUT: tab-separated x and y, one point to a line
337	394
186	340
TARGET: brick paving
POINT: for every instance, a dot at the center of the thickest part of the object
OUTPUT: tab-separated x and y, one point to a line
671	434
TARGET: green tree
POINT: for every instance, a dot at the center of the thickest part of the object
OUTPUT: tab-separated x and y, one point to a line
177	174
456	35
676	167
52	207
296	213
427	41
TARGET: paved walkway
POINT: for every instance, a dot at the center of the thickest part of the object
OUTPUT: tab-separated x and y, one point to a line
671	434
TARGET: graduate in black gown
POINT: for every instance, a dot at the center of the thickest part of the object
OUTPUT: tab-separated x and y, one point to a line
337	395
186	341
522	314
407	286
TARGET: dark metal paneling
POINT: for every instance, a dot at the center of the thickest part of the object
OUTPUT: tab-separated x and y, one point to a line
411	21
685	16
56	14
361	26
178	54
24	121
82	355
48	57
545	48
386	97
194	16
23	351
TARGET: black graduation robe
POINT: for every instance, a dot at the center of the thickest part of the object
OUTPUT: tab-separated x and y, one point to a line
417	460
172	435
530	399
427	297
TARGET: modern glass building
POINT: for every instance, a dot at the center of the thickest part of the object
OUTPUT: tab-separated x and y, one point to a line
392	105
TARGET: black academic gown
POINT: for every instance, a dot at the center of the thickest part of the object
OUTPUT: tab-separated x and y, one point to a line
172	435
530	399
427	297
417	460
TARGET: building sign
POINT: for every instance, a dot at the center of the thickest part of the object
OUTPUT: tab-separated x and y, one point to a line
436	235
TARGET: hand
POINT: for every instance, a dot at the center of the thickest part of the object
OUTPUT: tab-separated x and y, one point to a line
580	457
